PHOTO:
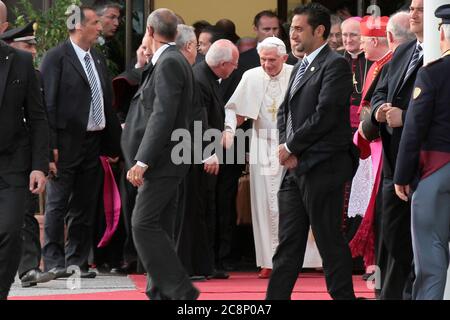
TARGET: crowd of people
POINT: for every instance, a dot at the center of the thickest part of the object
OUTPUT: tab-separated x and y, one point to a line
344	132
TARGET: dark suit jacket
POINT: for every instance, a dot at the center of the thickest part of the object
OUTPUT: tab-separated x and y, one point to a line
162	104
426	133
393	89
209	97
23	123
68	101
320	111
292	60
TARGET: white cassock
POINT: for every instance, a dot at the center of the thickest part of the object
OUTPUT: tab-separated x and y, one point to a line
258	97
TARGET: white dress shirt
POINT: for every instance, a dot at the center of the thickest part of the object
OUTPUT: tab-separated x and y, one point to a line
81	54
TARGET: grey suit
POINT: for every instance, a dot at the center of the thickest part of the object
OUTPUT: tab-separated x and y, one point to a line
162	104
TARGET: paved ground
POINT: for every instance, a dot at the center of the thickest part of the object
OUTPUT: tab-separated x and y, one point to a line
102	283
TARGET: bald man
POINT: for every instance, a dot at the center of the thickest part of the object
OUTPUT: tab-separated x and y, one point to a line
3	17
398	30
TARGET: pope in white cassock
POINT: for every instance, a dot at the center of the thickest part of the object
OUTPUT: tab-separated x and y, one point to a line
258	96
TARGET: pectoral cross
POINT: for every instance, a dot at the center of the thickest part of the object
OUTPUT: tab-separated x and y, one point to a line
273	110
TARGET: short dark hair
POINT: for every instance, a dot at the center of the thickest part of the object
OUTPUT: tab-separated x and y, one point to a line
215	33
102	5
264	13
317	15
83	9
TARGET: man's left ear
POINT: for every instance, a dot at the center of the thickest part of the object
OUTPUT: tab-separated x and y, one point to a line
285	57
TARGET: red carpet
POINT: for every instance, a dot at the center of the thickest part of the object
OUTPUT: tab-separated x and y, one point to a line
240	286
247	286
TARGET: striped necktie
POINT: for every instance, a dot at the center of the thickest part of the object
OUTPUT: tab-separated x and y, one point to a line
413	63
300	72
96	102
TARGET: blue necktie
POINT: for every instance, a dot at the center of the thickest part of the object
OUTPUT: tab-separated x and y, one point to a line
300	72
413	63
96	103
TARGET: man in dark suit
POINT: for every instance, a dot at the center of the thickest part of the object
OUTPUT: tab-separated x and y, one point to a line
162	104
23	153
221	60
316	149
83	127
424	155
389	107
29	271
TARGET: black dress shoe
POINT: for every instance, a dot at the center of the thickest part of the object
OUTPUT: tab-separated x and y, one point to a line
88	274
219	274
126	268
197	278
60	272
35	276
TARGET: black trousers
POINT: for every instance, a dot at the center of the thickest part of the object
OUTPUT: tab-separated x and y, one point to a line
72	200
314	199
128	196
193	245
31	250
397	273
153	224
13	200
225	219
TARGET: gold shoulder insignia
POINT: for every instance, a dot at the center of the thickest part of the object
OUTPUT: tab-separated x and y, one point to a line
417	92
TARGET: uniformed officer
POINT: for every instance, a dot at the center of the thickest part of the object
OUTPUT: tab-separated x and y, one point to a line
423	164
23	38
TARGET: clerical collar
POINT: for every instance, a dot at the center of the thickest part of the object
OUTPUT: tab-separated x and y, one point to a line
446	53
354	55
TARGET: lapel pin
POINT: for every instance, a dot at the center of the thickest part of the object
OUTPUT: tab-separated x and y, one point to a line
312	69
7	57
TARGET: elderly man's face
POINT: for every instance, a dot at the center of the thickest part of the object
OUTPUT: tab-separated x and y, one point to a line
191	51
271	61
351	36
368	46
229	66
